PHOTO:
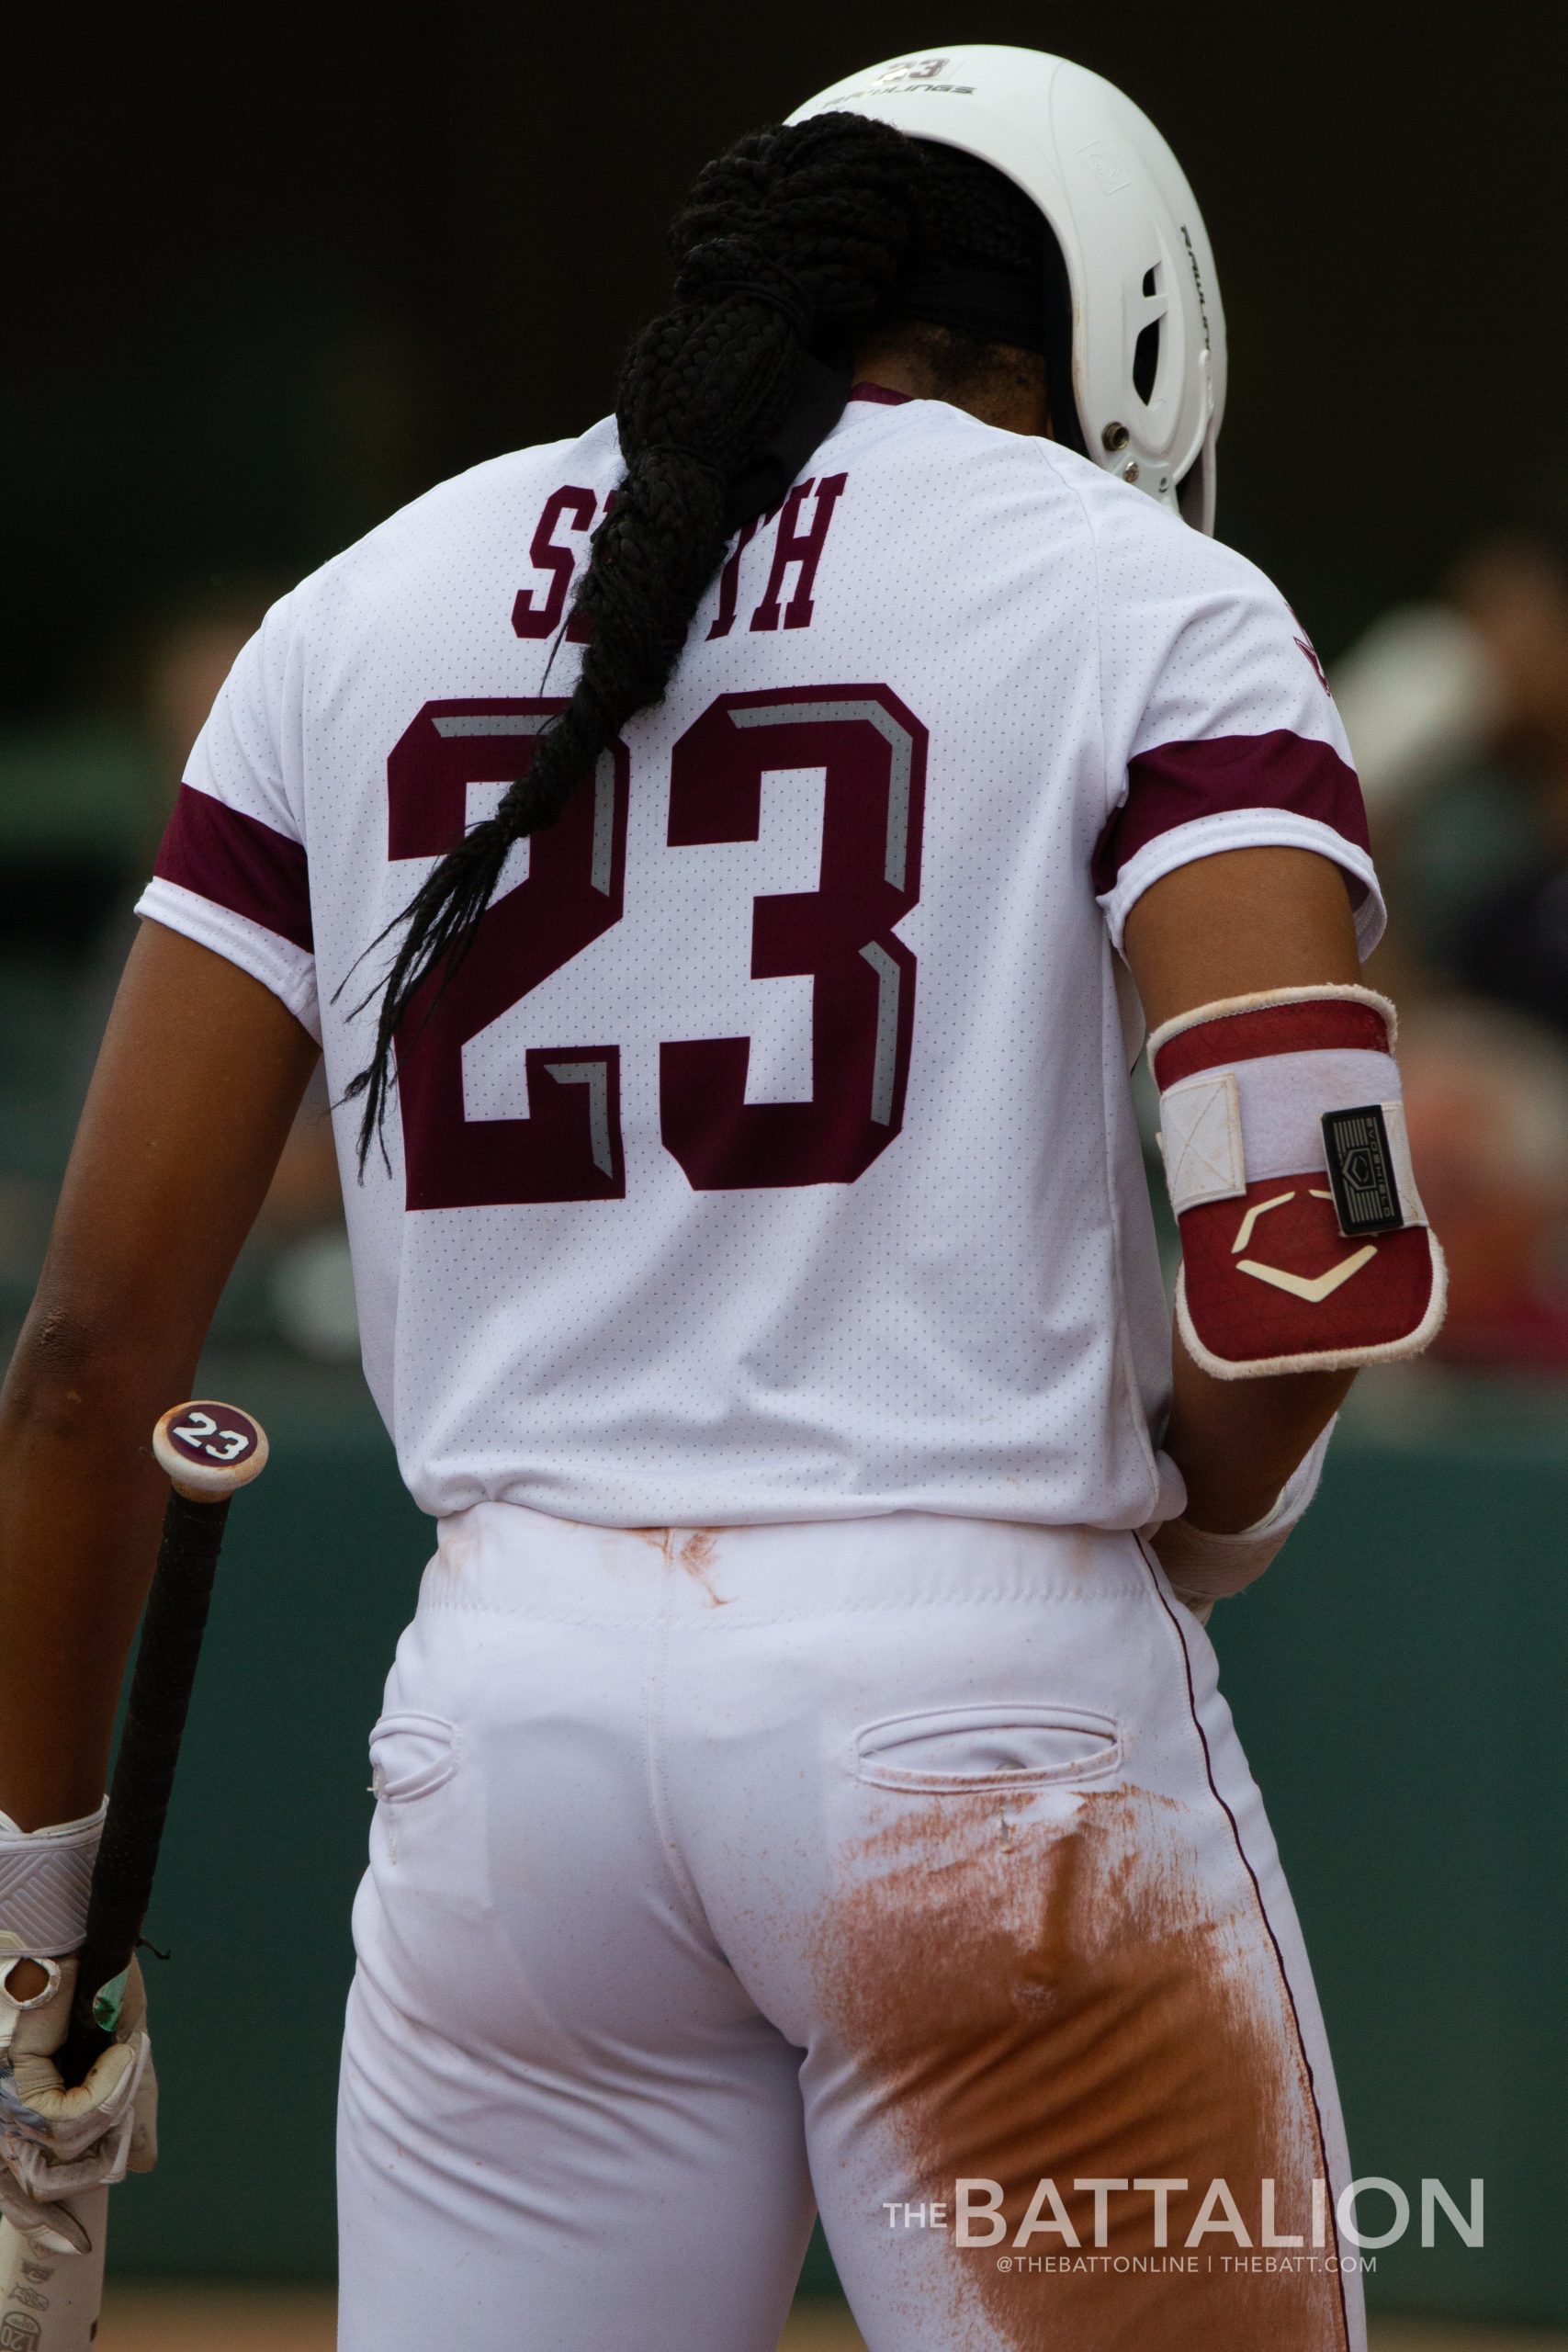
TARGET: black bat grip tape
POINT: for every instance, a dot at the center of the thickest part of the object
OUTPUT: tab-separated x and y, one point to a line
161	1686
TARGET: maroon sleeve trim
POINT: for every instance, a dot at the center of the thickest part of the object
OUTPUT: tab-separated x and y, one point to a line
1178	783
238	862
869	391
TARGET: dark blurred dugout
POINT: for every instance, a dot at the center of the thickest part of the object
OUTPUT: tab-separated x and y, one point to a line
270	272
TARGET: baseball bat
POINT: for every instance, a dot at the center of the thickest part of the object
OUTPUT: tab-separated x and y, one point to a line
49	2300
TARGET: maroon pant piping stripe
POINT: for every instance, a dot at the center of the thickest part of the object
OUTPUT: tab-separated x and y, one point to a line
1262	1913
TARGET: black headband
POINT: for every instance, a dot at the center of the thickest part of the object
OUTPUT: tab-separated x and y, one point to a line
996	305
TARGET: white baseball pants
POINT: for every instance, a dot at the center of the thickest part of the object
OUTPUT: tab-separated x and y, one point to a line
908	1868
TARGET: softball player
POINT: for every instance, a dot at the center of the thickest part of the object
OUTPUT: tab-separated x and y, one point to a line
727	862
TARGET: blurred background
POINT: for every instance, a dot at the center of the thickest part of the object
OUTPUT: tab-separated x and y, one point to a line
274	272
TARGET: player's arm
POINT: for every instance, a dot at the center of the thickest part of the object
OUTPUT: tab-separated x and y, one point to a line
1305	1249
200	1075
1236	925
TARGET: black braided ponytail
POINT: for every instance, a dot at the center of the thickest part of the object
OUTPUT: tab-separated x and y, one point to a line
786	248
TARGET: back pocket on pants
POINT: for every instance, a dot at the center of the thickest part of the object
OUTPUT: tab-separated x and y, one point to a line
411	1756
1013	1744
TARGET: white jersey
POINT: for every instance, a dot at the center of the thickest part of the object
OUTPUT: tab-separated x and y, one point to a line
772	1156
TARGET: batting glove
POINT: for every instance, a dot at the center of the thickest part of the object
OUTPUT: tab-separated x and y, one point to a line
55	2141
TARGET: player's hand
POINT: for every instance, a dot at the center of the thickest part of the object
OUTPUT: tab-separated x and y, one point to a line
57	2141
1204	1567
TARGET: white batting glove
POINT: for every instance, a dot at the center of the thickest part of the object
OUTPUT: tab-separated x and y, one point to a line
56	2142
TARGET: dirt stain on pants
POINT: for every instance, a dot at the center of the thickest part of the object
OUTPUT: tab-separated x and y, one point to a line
691	1548
1048	1989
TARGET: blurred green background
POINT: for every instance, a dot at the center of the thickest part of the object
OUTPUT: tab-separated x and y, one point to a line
270	274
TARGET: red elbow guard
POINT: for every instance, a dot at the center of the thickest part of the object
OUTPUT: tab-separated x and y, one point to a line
1304	1244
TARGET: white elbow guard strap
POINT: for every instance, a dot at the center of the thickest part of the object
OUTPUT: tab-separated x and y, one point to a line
1304	1247
46	1876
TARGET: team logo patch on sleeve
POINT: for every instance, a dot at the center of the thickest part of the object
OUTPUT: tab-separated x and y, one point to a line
1361	1169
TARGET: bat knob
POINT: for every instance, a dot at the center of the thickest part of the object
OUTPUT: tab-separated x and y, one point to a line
209	1450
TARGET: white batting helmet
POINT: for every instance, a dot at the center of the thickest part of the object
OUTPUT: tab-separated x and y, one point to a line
1149	332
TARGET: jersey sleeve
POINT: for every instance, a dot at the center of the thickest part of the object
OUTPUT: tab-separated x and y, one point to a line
232	871
1227	736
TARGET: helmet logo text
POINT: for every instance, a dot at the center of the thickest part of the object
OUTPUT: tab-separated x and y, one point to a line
902	77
